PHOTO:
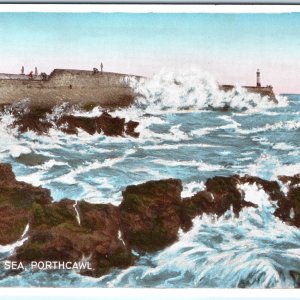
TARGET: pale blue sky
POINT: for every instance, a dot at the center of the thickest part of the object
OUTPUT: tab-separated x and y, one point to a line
230	46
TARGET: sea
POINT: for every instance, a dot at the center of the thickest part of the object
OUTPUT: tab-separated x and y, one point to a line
184	133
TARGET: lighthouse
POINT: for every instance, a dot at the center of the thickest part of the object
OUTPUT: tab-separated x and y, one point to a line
258	84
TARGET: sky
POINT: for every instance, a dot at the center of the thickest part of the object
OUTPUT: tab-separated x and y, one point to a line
229	46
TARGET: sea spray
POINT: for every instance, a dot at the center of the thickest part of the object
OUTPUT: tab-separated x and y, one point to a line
194	90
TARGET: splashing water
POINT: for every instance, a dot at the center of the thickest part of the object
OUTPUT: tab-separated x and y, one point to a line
193	90
182	135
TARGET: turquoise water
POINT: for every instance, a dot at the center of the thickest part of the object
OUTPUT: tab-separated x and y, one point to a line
183	135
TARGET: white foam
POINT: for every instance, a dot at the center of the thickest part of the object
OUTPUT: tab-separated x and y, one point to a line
288	125
193	90
17	150
283	146
192	188
201	166
120	237
77	213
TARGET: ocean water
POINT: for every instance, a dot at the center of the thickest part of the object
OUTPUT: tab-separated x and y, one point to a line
185	135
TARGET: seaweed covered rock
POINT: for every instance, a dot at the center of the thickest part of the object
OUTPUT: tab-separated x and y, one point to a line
60	231
74	232
16	199
150	214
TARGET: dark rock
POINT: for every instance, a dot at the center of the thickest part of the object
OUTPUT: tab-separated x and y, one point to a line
28	118
272	188
54	231
130	128
201	202
227	195
16	199
150	214
70	124
56	235
288	208
290	180
296	276
32	159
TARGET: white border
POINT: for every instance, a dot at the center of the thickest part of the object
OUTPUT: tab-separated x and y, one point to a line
147	8
150	294
140	293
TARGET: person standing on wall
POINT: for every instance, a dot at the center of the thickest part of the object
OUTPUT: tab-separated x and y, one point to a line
101	67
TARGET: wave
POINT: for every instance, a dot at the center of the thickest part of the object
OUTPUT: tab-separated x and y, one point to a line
201	166
70	177
269	167
286	125
192	90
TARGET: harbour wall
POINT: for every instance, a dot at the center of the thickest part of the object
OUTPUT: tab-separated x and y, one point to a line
83	87
76	86
261	90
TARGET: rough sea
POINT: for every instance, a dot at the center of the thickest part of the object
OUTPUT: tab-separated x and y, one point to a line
183	134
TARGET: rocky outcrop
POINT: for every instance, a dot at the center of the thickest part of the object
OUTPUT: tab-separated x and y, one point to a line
150	214
41	120
60	231
16	199
148	218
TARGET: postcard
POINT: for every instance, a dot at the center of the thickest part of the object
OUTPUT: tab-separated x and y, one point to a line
150	147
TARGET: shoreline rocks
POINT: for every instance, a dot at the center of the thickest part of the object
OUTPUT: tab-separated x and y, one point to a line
40	120
147	220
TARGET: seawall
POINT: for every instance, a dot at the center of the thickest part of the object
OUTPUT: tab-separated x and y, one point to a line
261	90
76	86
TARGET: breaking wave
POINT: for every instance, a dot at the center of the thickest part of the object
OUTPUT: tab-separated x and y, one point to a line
193	90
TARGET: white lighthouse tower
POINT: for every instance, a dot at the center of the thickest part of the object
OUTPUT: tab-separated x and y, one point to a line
258	84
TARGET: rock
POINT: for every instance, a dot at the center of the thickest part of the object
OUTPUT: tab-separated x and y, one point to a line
111	126
296	276
288	207
148	218
56	235
150	214
32	159
290	180
130	128
272	188
30	122
28	118
201	202
60	231
16	199
36	119
227	195
70	124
